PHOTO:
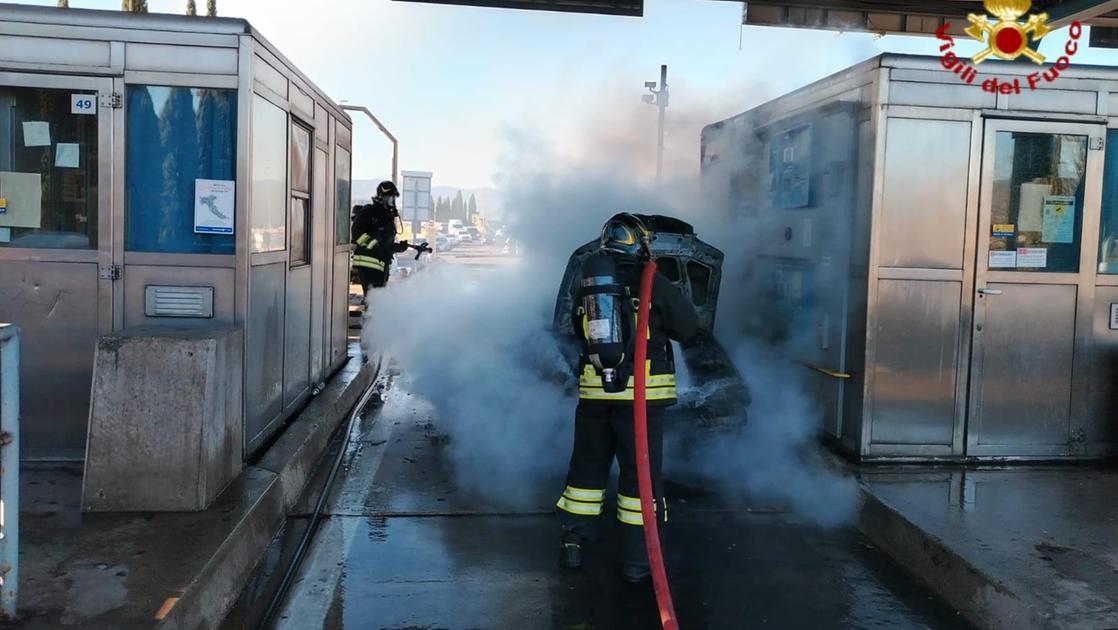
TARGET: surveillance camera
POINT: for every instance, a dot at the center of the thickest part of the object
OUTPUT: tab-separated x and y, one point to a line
648	98
650	85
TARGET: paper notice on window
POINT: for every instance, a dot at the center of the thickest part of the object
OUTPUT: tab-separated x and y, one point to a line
36	134
1032	257
215	203
5	235
23	195
1030	217
67	155
1003	260
1059	219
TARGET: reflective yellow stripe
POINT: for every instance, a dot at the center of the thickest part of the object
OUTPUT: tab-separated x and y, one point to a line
364	238
630	518
581	509
629	510
368	261
629	503
664	393
374	243
583	494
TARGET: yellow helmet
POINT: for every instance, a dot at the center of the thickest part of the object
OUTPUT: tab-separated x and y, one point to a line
625	233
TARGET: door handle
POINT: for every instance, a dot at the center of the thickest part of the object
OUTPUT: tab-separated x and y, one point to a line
985	291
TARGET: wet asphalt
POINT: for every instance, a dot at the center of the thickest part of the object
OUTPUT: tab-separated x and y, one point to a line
404	548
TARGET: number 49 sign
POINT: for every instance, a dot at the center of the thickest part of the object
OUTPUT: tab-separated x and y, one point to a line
83	104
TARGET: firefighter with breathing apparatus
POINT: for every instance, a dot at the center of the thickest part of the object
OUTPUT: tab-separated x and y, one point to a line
374	235
604	319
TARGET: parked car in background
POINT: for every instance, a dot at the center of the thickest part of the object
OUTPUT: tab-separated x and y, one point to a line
475	234
442	244
465	236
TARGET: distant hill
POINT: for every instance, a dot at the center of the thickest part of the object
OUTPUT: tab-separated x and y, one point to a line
490	202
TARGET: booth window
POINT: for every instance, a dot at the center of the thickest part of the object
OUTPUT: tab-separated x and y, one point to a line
269	176
341	197
300	193
180	170
1108	232
1037	210
48	169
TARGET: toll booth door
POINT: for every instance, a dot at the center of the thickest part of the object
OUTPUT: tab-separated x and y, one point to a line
56	262
1037	235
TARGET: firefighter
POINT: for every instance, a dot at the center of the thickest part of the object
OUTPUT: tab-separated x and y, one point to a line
374	234
604	420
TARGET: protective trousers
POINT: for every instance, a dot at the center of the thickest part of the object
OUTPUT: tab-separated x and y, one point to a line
371	279
603	431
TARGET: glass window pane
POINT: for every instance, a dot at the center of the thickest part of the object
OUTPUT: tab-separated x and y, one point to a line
269	176
424	185
300	158
48	170
176	136
298	231
341	197
1037	211
1108	234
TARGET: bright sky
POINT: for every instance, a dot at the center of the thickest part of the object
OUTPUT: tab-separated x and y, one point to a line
462	87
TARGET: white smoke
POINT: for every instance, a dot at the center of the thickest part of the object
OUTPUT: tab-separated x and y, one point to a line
478	345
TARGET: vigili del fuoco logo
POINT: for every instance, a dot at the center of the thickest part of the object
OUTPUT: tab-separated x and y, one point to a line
1007	37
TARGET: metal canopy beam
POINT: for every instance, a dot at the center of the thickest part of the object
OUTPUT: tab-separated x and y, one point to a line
1070	11
897	17
633	8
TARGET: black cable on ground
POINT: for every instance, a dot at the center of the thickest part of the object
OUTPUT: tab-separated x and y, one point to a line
316	516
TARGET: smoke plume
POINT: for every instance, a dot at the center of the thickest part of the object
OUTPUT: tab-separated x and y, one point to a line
478	344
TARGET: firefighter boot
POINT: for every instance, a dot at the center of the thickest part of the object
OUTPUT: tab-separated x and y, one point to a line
571	552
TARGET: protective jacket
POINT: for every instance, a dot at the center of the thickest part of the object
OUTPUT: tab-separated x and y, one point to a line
374	234
671	316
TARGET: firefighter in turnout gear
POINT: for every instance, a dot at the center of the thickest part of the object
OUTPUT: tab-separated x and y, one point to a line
604	417
374	234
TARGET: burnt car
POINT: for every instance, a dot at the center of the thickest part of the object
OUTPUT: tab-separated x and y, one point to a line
712	394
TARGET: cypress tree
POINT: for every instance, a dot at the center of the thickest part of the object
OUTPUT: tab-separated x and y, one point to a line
191	7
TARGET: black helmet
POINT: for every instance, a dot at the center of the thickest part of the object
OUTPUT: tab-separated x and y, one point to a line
625	233
387	189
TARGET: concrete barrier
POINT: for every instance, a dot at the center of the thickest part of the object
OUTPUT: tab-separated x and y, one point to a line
165	421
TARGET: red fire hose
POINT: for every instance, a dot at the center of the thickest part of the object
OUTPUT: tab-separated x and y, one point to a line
644	478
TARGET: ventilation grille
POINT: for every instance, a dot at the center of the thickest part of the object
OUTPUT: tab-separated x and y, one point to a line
165	301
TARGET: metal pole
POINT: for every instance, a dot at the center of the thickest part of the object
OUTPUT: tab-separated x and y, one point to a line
9	469
662	104
384	130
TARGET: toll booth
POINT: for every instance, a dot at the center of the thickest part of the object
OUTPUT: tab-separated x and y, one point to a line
942	258
160	170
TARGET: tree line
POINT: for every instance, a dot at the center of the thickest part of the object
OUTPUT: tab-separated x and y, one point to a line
447	208
141	6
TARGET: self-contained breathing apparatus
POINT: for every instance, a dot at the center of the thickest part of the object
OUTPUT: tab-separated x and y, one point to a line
606	308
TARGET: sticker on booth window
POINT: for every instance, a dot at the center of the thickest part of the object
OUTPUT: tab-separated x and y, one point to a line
36	134
67	155
214	206
3	205
1004	230
1032	257
85	104
1003	260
